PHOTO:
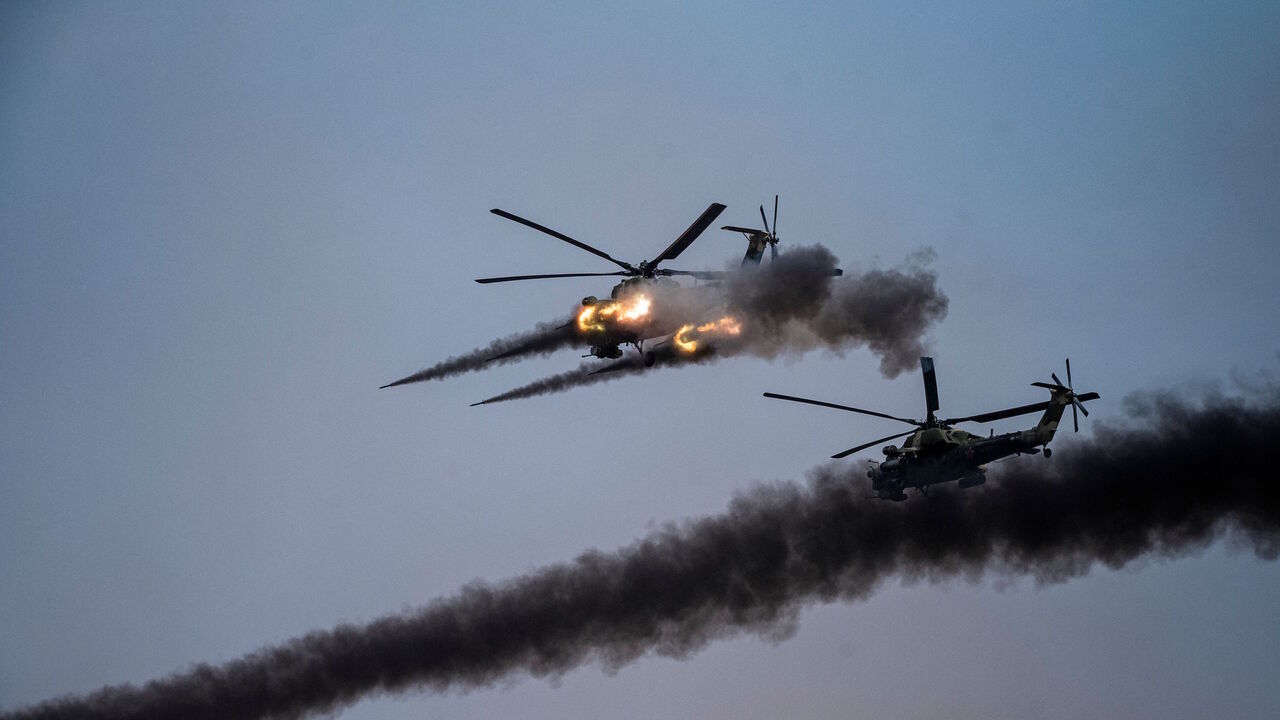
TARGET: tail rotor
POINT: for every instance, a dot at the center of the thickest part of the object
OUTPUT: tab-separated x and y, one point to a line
1069	390
773	234
758	239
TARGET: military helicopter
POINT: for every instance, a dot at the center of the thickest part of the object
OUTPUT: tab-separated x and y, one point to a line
936	453
626	317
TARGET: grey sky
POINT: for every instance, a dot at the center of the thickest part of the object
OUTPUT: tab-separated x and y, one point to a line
223	227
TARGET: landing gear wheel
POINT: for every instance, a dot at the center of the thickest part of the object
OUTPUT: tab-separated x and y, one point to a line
1047	453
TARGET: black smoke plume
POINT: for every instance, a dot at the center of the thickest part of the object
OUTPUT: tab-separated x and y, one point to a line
545	339
1178	476
794	305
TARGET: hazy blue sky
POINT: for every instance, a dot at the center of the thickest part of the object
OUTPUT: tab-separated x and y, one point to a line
223	226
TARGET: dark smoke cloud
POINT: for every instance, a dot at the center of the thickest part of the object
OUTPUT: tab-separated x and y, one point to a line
888	310
1177	477
792	287
545	339
794	306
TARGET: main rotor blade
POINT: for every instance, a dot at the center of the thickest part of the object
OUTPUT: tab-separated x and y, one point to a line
704	221
864	446
562	236
699	274
1021	409
1000	414
1063	388
930	384
792	398
508	278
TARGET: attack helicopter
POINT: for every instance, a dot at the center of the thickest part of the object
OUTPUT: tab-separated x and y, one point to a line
625	318
628	316
937	453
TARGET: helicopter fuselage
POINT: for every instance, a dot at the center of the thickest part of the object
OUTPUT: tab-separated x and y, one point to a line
624	318
964	461
936	455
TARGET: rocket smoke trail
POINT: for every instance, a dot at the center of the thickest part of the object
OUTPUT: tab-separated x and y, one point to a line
795	306
590	374
1176	477
584	374
546	338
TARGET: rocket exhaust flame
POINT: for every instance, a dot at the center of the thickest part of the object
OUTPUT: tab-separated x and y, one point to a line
638	308
594	318
1175	478
687	337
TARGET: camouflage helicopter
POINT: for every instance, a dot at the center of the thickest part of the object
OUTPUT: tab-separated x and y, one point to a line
936	453
627	316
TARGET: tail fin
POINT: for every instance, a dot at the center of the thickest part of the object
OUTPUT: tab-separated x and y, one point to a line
755	250
758	239
1059	398
756	242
